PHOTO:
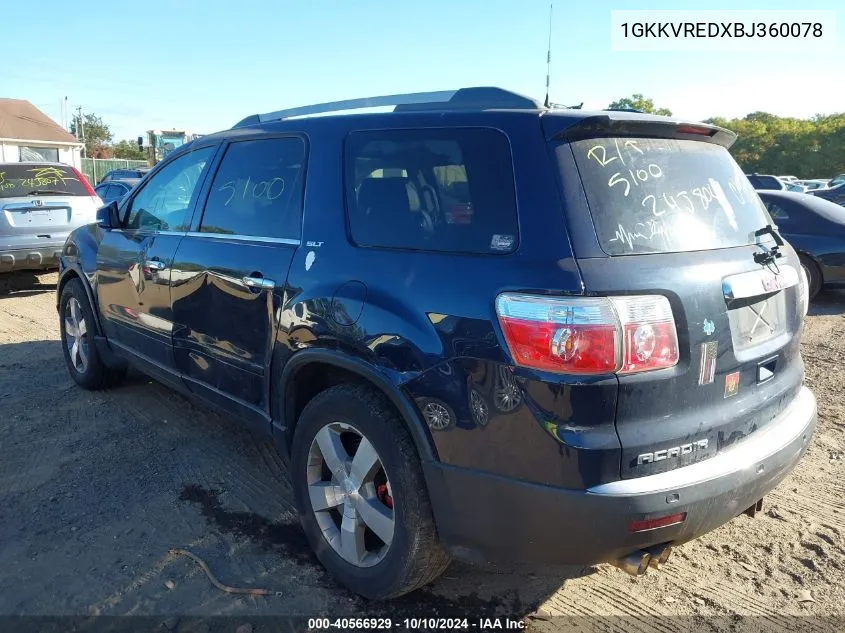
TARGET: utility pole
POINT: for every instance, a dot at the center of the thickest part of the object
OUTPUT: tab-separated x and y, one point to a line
81	130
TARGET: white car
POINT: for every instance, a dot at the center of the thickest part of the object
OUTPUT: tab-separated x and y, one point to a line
40	204
811	185
796	186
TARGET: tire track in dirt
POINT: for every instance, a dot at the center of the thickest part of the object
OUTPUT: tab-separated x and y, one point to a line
96	432
820	509
725	596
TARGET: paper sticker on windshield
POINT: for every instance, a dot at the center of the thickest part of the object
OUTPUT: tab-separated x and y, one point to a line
502	242
731	384
707	367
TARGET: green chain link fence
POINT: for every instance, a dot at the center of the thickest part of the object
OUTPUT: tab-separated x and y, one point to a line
95	168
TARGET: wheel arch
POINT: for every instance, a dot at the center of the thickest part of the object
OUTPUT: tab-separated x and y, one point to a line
73	271
819	269
803	253
310	371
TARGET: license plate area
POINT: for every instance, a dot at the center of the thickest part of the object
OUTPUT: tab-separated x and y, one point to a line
757	320
756	302
38	217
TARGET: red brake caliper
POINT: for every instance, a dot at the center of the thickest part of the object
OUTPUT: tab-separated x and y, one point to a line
384	496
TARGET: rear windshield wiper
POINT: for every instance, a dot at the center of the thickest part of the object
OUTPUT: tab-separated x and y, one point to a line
769	255
44	192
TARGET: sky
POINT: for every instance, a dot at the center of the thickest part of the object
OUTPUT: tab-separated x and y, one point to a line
204	65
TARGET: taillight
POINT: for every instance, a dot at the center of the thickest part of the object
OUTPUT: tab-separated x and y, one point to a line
589	335
694	129
88	188
649	337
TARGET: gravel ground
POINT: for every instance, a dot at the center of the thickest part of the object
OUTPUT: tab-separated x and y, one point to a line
96	488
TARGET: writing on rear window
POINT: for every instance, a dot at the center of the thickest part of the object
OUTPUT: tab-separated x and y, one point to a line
663	195
24	179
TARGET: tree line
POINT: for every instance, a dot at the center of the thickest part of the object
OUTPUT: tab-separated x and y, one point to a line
99	140
766	143
770	144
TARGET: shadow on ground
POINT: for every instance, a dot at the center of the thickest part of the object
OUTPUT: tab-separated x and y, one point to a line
828	302
25	283
111	481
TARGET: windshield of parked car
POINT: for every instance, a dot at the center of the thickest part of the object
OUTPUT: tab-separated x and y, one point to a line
24	179
663	195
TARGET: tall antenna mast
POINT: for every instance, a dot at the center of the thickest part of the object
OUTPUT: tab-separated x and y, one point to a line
549	56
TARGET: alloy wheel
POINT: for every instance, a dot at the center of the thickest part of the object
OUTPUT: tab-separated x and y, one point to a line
75	335
436	415
350	494
479	408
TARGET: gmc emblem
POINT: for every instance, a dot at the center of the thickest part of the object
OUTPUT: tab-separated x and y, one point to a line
675	451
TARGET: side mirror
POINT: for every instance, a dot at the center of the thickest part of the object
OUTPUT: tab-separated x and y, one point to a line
108	217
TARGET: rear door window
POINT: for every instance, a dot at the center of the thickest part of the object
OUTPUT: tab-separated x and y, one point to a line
664	195
31	179
448	190
257	190
778	212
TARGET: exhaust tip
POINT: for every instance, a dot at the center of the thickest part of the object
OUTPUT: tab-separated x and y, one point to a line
635	564
659	554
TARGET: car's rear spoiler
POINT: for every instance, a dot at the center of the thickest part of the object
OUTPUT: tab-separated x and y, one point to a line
561	127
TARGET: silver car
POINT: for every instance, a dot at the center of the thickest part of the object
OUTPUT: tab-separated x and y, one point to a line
40	203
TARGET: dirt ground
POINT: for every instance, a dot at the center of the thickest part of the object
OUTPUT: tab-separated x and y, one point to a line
96	488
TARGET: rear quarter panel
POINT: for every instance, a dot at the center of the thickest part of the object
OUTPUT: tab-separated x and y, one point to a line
426	321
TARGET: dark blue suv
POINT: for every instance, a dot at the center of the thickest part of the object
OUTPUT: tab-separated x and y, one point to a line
474	327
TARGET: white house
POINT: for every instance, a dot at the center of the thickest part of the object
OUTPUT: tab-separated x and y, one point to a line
26	133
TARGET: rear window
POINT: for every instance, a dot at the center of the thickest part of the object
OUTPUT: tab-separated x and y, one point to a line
765	182
25	179
447	190
664	196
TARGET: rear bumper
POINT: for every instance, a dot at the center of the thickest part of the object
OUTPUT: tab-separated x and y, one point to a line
483	517
35	258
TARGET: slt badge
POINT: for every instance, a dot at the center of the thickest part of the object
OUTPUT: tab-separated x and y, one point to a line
709	327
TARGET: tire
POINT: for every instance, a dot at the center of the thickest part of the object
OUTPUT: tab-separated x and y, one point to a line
81	358
814	275
413	557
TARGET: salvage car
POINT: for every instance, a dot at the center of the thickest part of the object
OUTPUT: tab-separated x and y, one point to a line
834	193
595	359
40	204
763	181
115	189
815	228
125	174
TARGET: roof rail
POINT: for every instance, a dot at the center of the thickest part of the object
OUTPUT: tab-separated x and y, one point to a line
478	98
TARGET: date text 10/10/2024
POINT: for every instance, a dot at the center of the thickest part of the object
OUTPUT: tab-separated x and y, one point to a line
446	624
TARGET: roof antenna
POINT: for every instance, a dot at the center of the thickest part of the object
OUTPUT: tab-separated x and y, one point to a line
547	103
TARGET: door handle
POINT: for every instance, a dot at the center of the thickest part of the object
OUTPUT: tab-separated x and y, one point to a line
259	283
155	264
